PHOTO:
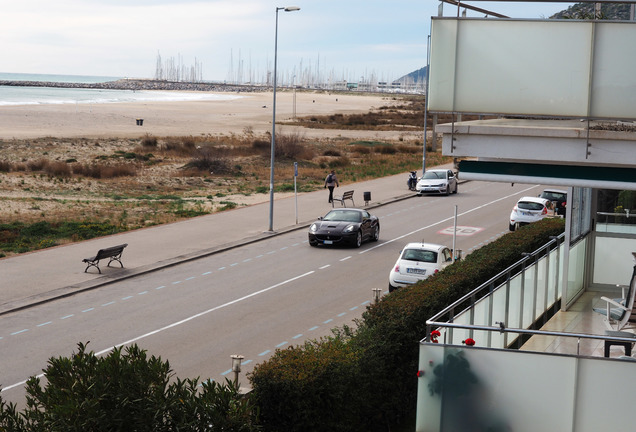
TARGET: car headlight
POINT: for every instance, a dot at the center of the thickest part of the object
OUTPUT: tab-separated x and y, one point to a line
349	228
313	227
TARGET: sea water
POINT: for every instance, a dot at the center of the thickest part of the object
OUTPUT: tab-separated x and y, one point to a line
17	95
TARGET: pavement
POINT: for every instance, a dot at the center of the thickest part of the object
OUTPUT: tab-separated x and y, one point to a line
41	276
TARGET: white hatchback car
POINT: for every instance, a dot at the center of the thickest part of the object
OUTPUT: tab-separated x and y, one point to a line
418	261
527	210
437	181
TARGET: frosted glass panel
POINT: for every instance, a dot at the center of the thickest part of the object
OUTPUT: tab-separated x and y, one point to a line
576	271
494	390
521	391
507	68
529	293
442	78
527	67
613	261
605	395
614	87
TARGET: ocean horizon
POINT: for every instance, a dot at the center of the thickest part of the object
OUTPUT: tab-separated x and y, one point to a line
33	95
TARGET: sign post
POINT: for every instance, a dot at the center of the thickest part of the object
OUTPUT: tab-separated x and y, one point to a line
295	190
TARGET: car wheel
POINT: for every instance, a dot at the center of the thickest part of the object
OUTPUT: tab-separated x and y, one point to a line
448	190
376	233
358	239
511	227
392	288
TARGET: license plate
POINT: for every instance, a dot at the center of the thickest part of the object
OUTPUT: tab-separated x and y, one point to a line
328	242
526	214
416	271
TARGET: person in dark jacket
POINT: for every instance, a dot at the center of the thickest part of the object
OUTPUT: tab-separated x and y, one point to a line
331	181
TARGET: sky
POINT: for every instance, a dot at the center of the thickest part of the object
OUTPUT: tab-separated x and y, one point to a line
230	40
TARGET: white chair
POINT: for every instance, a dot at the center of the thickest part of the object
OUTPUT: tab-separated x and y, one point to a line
617	311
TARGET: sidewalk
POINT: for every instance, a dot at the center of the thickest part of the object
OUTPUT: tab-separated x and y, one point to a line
40	276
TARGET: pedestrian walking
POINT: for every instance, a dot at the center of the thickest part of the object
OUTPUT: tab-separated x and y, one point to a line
331	181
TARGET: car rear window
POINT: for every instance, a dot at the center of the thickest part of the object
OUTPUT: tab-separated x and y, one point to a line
419	255
528	205
554	196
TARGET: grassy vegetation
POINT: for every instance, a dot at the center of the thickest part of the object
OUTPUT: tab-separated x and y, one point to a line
128	184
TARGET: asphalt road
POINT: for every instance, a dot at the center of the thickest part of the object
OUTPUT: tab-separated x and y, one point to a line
250	300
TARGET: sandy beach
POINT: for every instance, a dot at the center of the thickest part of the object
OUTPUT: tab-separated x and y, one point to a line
195	118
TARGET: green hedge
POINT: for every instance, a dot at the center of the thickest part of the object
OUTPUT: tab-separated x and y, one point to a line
365	379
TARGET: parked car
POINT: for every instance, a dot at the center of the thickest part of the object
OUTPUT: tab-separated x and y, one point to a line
527	210
558	198
440	181
418	261
344	226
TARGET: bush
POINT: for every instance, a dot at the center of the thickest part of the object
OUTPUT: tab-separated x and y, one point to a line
210	159
149	141
126	390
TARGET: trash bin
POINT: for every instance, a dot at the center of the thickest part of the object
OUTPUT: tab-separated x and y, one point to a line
140	122
367	197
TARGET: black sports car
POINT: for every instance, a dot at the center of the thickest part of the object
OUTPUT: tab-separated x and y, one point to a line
345	225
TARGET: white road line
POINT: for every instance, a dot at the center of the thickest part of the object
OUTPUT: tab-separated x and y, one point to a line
177	323
446	220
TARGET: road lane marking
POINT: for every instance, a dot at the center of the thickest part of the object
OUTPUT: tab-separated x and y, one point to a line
200	314
19	331
177	323
324	267
264	353
46	323
446	220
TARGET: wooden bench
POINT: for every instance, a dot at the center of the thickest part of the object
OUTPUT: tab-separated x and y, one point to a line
113	252
348	195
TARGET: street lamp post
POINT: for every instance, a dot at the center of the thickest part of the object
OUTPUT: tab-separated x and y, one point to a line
273	149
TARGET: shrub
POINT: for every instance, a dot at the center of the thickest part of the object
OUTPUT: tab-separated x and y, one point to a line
149	141
332	153
57	169
261	145
125	390
37	165
386	149
290	146
210	159
5	166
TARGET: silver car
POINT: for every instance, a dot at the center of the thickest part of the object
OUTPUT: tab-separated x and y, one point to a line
437	181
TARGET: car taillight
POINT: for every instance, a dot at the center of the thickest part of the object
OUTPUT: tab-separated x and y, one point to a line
397	269
514	208
544	211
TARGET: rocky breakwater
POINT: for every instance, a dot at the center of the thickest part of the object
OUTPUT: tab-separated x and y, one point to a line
140	84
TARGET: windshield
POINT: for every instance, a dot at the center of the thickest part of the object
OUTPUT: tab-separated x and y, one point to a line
343	216
434	175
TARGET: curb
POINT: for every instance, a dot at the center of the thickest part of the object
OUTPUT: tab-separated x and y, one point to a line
70	290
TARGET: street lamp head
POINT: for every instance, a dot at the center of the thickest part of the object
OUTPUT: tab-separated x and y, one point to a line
291	8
